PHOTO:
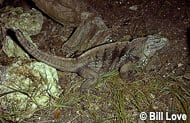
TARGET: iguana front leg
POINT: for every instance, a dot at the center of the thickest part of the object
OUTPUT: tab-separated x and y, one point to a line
128	71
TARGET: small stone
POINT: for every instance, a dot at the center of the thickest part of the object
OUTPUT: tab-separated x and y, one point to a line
179	65
134	7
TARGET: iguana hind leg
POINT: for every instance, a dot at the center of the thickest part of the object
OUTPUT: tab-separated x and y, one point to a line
90	76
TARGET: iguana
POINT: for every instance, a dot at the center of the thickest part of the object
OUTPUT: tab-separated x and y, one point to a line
99	59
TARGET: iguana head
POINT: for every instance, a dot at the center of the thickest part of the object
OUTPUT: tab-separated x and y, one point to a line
153	44
144	48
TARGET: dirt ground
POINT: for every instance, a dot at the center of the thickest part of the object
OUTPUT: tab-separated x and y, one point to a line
138	18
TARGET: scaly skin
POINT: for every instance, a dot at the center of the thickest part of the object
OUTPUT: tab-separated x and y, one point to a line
66	64
106	56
